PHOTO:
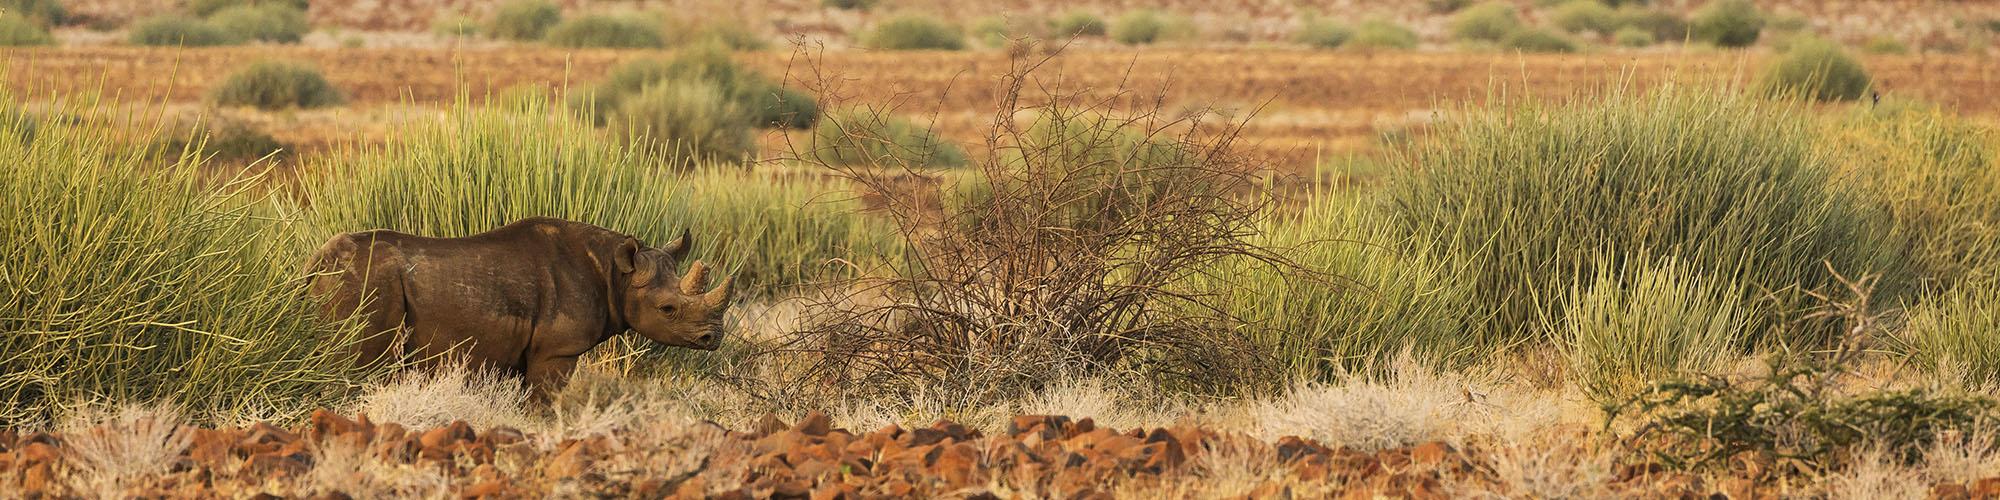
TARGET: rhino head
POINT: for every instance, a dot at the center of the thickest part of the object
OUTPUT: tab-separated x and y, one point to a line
676	310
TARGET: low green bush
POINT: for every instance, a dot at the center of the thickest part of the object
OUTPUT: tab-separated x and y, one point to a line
1322	33
765	103
1816	69
686	120
911	32
1382	34
41	12
265	22
1079	24
733	35
221	140
1745	195
860	137
1633	37
205	8
1446	6
171	29
274	85
849	4
1662	24
455	26
1489	21
629	31
17	31
1578	16
1146	26
1538	40
122	269
1728	23
524	19
1885	45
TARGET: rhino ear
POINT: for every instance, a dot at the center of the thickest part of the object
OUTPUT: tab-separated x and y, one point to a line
626	255
678	249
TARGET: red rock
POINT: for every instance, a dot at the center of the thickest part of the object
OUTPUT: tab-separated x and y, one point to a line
1950	491
921	437
834	491
1740	488
263	433
502	436
1431	453
770	424
38	479
815	424
487	489
273	464
570	461
792	489
1986	488
1037	424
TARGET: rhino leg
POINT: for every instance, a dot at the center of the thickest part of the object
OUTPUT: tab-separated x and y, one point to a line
546	377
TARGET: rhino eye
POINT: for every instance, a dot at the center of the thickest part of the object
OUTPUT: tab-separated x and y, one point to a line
667	308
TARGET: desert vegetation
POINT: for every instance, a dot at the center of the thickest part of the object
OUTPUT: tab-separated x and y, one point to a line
1057	261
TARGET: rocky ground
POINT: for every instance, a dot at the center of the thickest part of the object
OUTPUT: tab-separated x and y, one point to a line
333	456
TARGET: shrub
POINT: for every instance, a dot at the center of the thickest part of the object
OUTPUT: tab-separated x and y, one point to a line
1538	40
1633	37
1388	299
161	269
179	30
1816	69
1728	23
849	4
1323	33
1580	16
1488	21
1381	34
690	119
764	103
1939	192
1952	333
1664	25
717	32
912	32
1078	24
205	8
1447	6
1745	196
267	22
774	230
1885	45
1628	329
455	26
1145	26
40	12
273	85
218	139
524	19
607	31
859	137
17	31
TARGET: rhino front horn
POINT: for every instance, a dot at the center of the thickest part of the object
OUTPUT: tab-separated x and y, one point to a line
696	279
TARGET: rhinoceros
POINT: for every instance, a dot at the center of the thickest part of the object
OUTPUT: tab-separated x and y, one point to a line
527	298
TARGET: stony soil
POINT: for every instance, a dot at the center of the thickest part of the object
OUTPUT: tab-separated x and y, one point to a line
1037	456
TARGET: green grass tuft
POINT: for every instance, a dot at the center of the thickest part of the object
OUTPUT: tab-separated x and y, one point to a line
631	31
265	22
173	29
911	32
1728	23
1489	21
524	19
273	85
1816	69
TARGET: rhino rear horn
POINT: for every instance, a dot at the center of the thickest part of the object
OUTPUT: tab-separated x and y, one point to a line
696	279
678	248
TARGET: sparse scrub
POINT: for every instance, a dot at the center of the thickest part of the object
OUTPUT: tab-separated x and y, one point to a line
1383	34
1579	16
1538	40
1885	45
1816	69
691	120
161	270
17	31
273	85
1446	6
205	8
863	137
1663	25
912	32
630	31
1322	33
1078	24
1744	197
172	29
1489	21
849	4
778	231
524	19
1728	23
264	22
734	35
764	103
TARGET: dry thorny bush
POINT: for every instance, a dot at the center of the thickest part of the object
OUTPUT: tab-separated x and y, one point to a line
1066	249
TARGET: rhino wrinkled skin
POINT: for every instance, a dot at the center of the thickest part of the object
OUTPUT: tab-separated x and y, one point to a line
526	298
